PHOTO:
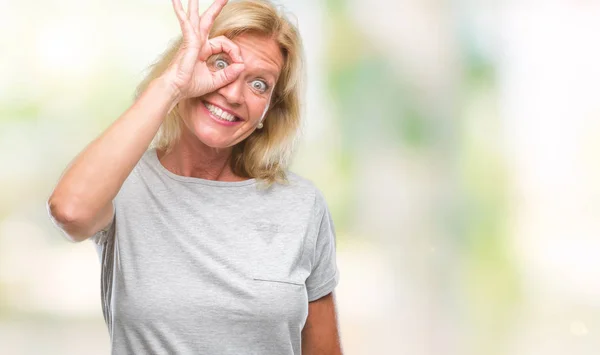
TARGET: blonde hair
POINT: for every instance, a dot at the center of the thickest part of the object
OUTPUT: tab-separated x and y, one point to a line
267	152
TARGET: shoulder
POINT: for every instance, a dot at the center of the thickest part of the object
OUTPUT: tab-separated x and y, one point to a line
297	180
305	187
298	183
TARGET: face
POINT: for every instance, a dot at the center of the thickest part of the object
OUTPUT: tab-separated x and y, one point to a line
208	117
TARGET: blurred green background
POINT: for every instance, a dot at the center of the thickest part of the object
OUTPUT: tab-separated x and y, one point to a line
456	142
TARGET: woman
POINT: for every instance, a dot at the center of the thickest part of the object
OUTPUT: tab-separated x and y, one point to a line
208	244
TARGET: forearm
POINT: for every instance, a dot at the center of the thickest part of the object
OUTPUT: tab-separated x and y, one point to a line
95	175
320	335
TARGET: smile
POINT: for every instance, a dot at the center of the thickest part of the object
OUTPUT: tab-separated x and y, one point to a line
220	114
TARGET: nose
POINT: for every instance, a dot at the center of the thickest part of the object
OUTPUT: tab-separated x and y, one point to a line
233	92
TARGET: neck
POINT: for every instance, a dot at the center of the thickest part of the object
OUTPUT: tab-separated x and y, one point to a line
196	159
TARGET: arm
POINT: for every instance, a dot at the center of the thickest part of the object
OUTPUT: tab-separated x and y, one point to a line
320	334
81	203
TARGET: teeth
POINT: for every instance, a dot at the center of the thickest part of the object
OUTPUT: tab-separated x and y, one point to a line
219	113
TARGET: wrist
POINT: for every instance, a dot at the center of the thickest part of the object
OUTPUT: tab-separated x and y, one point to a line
168	90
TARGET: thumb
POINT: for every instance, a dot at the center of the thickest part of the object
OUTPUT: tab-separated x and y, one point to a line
227	75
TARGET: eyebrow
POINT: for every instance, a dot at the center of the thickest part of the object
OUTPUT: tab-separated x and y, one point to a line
269	70
265	71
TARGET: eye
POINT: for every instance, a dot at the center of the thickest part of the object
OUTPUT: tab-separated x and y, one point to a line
221	64
260	86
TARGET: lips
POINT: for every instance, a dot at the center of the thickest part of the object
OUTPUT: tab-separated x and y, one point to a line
222	112
223	119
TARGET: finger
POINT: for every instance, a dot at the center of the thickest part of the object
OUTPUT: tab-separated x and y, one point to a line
193	13
223	44
189	36
208	17
186	57
227	75
181	16
178	10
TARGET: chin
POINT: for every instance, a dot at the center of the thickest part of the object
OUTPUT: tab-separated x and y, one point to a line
209	135
213	138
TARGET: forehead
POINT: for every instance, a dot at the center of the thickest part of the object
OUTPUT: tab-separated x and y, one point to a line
260	53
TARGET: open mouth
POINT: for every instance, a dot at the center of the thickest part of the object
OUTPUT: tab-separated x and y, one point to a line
220	114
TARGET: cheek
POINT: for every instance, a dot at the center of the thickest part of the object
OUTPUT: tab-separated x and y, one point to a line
186	115
257	109
189	114
184	110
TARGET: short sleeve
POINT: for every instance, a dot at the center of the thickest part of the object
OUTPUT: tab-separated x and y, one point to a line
324	275
105	233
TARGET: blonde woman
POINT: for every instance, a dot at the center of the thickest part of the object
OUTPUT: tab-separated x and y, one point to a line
208	244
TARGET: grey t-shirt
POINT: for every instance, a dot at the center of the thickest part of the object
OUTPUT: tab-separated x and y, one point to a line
195	266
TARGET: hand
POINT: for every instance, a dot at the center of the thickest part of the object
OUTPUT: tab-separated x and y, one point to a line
189	74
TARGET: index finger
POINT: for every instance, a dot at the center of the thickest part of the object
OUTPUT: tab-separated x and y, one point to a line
208	17
223	44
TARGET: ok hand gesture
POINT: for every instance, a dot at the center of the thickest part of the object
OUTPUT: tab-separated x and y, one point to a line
189	73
